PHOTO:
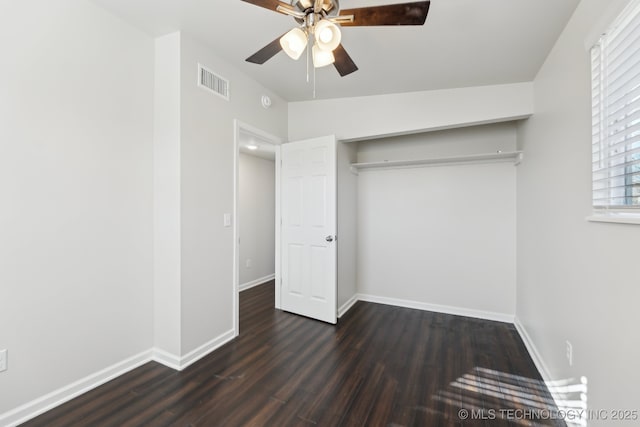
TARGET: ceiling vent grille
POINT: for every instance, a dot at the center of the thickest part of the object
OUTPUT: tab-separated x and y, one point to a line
212	82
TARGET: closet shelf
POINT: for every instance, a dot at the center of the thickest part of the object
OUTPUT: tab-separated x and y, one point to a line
506	156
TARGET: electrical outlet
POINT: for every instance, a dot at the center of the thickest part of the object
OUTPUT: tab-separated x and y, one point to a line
569	353
248	262
3	360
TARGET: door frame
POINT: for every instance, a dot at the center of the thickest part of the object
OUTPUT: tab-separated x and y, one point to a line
240	127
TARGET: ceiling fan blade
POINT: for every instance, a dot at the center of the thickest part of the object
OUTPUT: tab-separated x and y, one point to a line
272	5
266	53
344	64
414	13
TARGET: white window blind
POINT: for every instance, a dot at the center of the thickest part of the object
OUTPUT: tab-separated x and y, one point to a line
615	70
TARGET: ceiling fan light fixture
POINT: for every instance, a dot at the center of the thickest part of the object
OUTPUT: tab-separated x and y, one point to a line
323	19
321	57
327	35
294	43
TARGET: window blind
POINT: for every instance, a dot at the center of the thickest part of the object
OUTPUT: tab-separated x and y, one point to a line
615	88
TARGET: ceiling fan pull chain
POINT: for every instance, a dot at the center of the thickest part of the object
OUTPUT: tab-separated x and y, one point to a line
308	56
314	82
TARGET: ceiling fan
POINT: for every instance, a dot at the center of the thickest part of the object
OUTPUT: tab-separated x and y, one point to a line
319	26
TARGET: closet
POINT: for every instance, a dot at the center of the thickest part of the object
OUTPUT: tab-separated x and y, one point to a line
436	219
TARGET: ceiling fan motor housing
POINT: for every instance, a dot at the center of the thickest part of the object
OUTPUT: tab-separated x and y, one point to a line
329	8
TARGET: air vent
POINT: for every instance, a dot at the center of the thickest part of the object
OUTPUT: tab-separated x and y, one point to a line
212	82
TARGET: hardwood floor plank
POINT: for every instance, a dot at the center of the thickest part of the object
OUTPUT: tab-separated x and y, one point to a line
379	366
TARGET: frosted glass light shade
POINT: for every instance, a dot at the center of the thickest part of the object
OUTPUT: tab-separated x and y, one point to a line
294	43
322	58
327	35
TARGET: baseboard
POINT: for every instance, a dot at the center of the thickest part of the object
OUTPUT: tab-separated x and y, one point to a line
533	351
256	282
49	401
539	362
200	352
342	310
178	363
165	358
458	311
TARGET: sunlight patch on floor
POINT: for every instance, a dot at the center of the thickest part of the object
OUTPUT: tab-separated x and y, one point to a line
486	394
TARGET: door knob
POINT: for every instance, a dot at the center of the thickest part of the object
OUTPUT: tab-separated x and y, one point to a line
329	238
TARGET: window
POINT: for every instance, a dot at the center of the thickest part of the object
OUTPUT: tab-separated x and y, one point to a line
615	71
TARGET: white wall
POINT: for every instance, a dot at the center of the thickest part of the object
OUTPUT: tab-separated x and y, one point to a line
202	167
257	206
450	143
577	280
166	195
347	240
207	163
442	237
78	219
367	117
76	213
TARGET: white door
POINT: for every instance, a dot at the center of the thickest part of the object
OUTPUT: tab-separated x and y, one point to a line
308	233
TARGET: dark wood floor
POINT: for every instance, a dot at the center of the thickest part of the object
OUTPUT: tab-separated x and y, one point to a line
380	366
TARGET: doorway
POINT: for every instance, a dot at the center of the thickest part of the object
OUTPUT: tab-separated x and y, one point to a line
256	207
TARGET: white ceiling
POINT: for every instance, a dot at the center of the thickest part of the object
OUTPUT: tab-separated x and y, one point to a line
463	43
